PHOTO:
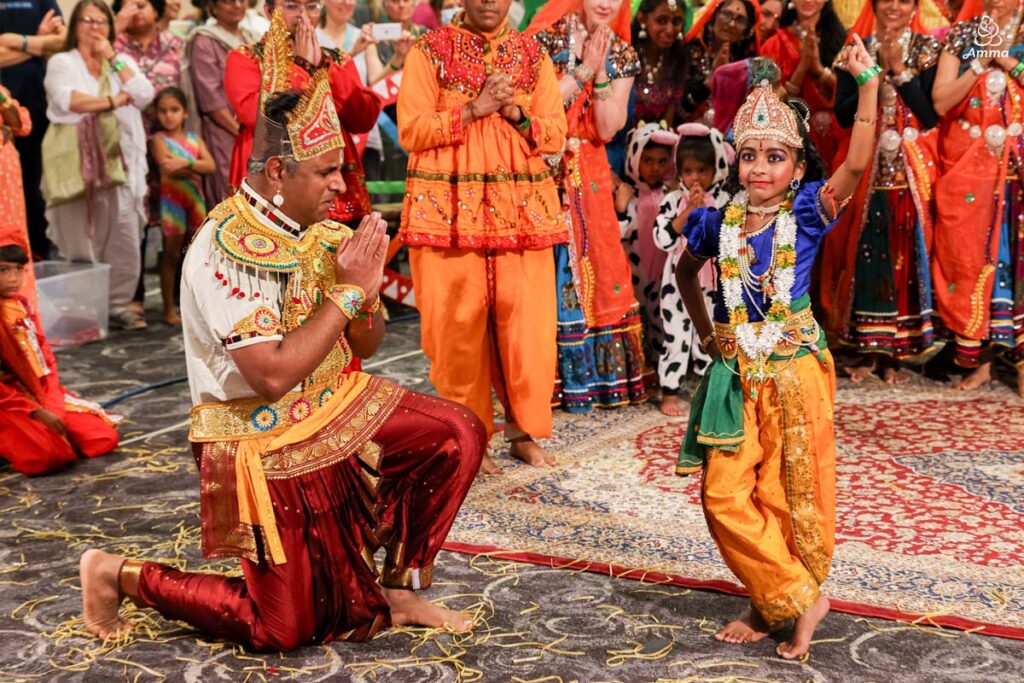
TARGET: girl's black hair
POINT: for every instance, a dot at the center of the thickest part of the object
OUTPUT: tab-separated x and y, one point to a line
815	168
172	91
696	147
830	31
675	60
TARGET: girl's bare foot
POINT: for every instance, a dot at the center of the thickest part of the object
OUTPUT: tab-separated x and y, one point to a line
530	452
895	375
749	628
803	630
101	594
410	609
981	376
488	466
860	373
172	318
670	405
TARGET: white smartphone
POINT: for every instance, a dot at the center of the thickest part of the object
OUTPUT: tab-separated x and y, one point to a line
388	32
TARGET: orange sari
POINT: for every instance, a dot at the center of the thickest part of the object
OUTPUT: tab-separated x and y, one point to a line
13	224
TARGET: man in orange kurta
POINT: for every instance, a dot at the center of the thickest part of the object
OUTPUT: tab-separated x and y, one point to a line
358	107
478	110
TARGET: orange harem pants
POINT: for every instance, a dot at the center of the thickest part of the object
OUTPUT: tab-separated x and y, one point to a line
771	506
459	292
32	448
331	520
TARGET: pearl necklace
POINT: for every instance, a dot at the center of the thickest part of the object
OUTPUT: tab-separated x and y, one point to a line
652	73
903	41
764	210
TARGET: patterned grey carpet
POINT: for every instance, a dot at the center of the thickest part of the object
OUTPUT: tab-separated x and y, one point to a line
536	623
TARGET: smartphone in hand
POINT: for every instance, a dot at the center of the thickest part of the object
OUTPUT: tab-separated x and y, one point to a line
388	32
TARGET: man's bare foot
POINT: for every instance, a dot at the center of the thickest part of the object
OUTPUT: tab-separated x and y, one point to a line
803	630
530	452
172	318
860	373
410	609
749	628
101	594
895	376
670	405
488	466
981	376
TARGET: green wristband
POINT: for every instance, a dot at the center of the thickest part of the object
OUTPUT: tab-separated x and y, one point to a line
524	124
867	74
24	42
117	64
599	86
1017	70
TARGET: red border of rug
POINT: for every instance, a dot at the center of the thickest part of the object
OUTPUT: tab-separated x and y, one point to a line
730	588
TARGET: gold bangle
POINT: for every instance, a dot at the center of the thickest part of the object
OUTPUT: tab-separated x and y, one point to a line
868	122
707	340
348	298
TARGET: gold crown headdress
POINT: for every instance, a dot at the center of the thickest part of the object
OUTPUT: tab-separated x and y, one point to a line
765	117
313	126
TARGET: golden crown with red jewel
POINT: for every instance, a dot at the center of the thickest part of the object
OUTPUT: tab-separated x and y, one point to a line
765	117
313	126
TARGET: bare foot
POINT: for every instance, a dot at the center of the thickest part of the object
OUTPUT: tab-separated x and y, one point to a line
101	594
749	628
803	631
410	609
860	373
530	452
981	376
488	466
670	405
895	376
137	307
172	318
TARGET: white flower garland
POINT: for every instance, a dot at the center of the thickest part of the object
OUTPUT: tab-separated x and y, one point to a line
776	283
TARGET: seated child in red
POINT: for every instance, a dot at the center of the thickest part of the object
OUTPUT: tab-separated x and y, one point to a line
42	425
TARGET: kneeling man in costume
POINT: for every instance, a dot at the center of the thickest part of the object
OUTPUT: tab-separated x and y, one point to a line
305	471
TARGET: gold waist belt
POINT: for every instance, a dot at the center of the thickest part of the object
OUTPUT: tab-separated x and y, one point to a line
250	417
800	331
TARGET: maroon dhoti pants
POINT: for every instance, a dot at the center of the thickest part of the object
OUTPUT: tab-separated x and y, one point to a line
330	521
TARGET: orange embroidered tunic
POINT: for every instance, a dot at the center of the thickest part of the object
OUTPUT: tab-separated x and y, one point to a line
484	185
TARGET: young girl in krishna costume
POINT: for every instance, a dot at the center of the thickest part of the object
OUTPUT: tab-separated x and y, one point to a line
761	421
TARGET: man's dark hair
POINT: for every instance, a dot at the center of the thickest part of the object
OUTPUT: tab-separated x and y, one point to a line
12	253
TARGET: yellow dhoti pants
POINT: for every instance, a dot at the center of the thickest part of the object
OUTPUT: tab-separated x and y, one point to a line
488	319
771	505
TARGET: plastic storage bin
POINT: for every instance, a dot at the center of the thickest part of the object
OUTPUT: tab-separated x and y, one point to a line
73	301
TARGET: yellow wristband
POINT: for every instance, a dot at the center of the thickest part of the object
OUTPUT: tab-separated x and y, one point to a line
348	298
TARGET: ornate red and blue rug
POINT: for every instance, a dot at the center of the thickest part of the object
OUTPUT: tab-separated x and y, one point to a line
930	520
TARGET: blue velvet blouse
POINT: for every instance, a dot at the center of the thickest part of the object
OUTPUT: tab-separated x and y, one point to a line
704	226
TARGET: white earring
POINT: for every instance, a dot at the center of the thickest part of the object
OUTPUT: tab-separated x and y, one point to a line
642	35
278	199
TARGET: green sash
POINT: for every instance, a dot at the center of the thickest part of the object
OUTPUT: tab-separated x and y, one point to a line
716	412
62	167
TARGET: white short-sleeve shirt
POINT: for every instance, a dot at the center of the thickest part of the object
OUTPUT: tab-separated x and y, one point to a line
220	312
